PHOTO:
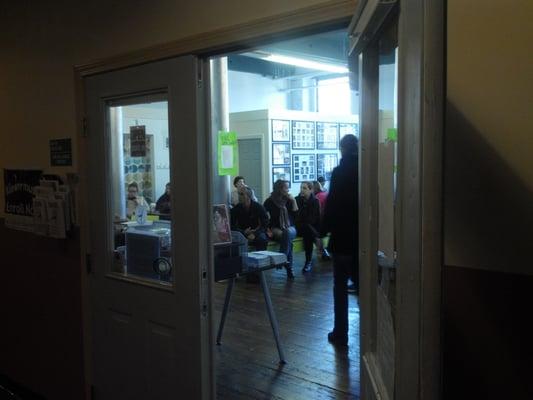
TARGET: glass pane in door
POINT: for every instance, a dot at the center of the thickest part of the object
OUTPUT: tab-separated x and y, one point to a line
139	191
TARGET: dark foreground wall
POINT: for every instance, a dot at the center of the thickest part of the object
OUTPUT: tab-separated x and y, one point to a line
488	202
488	346
40	310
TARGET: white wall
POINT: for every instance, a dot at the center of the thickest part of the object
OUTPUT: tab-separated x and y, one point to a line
253	92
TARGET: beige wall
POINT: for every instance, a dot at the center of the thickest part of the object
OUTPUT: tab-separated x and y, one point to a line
489	135
42	41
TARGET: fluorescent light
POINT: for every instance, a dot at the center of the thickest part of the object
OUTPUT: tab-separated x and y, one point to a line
300	62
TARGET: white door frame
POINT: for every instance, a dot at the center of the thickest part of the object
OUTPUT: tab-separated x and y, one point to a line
420	127
428	23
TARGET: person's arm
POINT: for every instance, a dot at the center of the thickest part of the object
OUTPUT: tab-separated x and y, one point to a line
331	203
263	217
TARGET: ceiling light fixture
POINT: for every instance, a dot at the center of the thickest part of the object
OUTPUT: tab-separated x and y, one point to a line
300	62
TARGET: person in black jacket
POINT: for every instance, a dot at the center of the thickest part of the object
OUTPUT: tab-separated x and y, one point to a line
307	221
341	219
282	208
250	218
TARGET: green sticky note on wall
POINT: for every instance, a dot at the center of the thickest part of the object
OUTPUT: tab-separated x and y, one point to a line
392	134
228	153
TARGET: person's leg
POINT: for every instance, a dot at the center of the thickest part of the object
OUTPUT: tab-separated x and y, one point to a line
261	240
308	239
285	247
341	268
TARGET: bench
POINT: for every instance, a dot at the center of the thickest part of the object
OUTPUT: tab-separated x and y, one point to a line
297	244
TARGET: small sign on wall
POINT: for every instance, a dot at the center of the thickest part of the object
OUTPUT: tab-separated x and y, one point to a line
61	152
138	141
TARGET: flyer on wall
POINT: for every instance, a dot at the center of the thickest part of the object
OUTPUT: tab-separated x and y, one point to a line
18	188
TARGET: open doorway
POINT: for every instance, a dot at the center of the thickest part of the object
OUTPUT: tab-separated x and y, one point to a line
289	104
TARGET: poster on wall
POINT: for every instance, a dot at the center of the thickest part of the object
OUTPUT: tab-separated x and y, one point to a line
325	164
61	152
345	129
228	153
280	130
281	173
303	167
303	135
140	169
327	134
19	193
281	154
138	141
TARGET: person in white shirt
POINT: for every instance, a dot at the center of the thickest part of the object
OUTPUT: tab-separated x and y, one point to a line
134	200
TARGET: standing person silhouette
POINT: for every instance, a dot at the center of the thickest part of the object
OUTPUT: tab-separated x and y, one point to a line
341	218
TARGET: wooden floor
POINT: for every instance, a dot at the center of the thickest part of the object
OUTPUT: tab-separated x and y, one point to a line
247	364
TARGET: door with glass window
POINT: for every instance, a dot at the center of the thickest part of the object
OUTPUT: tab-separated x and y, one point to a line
147	181
395	61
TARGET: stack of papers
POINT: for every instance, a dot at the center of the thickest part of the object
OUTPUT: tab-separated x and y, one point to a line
255	260
260	259
275	257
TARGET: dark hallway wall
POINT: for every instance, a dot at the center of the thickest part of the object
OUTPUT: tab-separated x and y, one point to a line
488	201
40	336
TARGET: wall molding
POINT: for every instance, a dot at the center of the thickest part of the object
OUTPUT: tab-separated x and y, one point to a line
327	15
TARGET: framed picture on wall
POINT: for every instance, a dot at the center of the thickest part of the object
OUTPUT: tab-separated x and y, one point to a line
345	129
280	130
325	164
327	135
281	154
303	135
281	173
304	168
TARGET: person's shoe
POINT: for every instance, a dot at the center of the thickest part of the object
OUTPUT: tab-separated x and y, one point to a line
325	255
290	274
307	267
336	340
352	289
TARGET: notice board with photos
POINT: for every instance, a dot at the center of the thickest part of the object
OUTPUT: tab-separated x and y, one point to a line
296	146
140	169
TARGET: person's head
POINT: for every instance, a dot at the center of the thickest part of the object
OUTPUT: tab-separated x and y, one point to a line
306	188
167	188
238	181
317	187
281	188
245	195
133	190
321	180
349	145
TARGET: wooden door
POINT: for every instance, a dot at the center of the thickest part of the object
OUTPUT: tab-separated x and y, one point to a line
148	280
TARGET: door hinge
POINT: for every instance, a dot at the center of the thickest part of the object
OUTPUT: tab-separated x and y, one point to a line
200	67
88	263
84	127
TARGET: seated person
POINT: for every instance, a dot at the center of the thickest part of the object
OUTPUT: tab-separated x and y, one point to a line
307	221
238	182
250	218
134	200
162	206
282	208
